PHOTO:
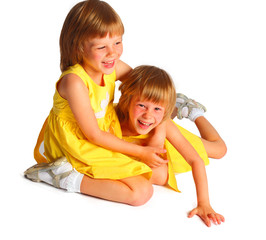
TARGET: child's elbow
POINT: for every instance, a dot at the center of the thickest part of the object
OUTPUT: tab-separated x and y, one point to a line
93	136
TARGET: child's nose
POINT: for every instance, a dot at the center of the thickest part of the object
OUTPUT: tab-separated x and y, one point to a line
148	114
111	51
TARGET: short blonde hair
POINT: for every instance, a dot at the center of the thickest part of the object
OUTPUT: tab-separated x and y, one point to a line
87	19
148	83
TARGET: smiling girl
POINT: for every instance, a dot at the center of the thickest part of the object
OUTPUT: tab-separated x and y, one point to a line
146	103
82	129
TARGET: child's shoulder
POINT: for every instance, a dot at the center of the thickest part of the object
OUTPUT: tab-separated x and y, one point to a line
70	79
69	83
76	69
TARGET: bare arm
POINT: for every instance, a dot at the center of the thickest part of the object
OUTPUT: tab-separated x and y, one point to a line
204	210
72	88
193	159
158	136
157	139
122	70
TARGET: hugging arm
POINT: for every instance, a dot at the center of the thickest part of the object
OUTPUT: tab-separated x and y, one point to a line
122	70
156	139
72	88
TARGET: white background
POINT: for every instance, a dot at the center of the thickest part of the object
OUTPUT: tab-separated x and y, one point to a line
215	52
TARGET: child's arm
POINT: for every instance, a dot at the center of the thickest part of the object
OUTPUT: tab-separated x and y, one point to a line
157	136
204	209
72	88
122	70
156	139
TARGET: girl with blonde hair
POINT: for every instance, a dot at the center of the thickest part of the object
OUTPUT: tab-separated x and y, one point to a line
148	97
146	103
84	148
82	128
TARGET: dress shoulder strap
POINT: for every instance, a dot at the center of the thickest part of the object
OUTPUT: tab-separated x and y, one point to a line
77	70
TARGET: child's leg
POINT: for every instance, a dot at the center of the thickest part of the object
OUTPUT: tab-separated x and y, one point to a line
160	175
134	191
213	143
188	108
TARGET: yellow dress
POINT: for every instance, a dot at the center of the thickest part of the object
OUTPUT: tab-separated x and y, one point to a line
62	137
177	164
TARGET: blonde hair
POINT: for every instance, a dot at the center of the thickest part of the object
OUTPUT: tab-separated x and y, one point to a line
148	83
87	19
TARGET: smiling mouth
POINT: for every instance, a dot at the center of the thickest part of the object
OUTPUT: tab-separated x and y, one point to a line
109	63
144	123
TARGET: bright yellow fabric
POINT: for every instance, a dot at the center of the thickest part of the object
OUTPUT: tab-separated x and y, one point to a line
176	164
63	137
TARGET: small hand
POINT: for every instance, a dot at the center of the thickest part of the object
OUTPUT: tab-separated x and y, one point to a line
207	214
151	156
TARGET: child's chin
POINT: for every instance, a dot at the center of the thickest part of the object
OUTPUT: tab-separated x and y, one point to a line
144	131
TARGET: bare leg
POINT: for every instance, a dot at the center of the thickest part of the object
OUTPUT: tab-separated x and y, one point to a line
212	141
160	175
134	191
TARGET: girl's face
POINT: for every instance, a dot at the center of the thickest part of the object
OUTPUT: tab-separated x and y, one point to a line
102	54
143	117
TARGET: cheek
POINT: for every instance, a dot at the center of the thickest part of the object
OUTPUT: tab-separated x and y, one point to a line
136	113
97	57
132	113
159	117
119	50
94	56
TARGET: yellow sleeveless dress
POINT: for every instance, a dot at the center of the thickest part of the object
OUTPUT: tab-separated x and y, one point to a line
177	164
62	136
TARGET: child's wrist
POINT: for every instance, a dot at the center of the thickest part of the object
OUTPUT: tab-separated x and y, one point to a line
204	202
140	151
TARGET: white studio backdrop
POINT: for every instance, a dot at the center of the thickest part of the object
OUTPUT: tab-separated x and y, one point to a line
215	52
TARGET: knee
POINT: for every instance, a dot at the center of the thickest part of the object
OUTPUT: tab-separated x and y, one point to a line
222	150
141	195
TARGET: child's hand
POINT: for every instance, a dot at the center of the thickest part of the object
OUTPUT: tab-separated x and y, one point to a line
151	156
207	214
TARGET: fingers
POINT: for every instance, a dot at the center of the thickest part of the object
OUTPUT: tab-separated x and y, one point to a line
193	213
157	164
204	218
207	218
159	151
159	161
152	156
222	218
216	218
